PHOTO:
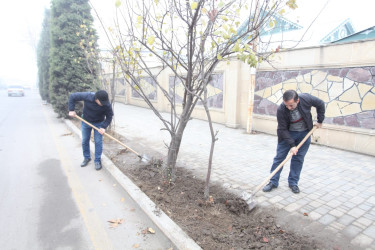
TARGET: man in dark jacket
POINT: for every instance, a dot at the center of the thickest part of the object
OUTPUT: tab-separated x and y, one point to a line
97	110
294	122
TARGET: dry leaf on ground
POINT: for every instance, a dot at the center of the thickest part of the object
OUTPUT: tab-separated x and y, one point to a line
115	223
148	230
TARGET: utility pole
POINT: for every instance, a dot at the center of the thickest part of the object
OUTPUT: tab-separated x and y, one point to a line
249	125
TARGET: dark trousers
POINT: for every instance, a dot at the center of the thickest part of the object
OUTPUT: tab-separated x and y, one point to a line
98	139
296	162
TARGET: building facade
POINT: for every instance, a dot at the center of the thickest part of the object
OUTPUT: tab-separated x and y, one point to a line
342	75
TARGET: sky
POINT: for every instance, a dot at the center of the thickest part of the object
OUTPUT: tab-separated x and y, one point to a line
21	21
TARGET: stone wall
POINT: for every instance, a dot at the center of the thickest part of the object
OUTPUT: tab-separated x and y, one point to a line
215	90
342	75
349	93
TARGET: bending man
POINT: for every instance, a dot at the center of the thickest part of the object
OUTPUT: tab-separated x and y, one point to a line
294	122
97	110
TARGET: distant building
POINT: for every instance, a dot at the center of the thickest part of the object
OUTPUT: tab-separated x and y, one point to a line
284	33
366	34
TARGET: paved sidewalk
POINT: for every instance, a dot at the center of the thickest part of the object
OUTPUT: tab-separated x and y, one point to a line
337	187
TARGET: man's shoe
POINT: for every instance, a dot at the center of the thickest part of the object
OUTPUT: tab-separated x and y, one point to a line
269	187
85	162
295	189
98	165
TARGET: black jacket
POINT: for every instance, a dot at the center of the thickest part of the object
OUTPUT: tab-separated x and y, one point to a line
92	112
306	101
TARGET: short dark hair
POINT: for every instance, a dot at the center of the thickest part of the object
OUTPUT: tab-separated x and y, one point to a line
102	96
289	95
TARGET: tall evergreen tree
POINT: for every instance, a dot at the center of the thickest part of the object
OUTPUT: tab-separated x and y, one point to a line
73	60
43	55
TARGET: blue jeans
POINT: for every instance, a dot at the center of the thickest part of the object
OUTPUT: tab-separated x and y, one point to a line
98	138
296	162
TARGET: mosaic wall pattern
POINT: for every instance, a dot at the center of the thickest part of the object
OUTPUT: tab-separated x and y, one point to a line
149	87
120	86
215	89
349	93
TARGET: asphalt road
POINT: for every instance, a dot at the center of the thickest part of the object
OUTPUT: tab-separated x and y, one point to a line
47	201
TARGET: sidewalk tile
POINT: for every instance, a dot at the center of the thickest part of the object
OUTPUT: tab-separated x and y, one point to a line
340	194
365	206
351	231
356	212
323	209
333	203
327	198
362	240
336	213
315	204
371	200
327	219
292	207
337	226
365	222
346	219
369	216
370	231
314	215
306	209
276	199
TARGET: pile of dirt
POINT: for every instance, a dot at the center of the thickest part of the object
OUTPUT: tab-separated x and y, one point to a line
224	221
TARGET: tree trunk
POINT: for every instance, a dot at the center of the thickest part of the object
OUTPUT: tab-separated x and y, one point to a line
209	169
112	95
169	168
213	140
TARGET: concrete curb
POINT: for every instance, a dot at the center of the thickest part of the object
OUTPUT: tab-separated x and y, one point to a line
171	230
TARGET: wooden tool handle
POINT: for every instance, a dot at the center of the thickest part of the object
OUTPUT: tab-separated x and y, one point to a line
79	118
290	155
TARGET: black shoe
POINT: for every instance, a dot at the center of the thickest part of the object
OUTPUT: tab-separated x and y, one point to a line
295	189
85	162
98	165
269	187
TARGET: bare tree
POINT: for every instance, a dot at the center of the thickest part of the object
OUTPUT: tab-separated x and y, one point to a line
189	39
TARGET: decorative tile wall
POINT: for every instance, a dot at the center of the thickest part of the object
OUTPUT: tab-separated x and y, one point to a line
215	90
349	93
148	86
120	86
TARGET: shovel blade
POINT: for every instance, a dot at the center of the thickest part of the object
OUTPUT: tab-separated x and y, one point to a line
144	158
252	203
249	198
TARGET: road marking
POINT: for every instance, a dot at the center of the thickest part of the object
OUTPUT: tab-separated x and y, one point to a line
94	226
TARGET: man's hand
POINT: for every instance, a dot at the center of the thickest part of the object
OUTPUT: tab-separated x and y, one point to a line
101	131
294	150
318	125
72	113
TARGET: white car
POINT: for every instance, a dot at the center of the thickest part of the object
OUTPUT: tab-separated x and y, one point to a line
16	90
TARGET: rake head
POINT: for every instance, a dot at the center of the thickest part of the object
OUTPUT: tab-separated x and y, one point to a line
250	200
144	158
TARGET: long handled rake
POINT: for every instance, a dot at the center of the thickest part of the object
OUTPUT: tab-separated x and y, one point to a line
142	158
250	198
